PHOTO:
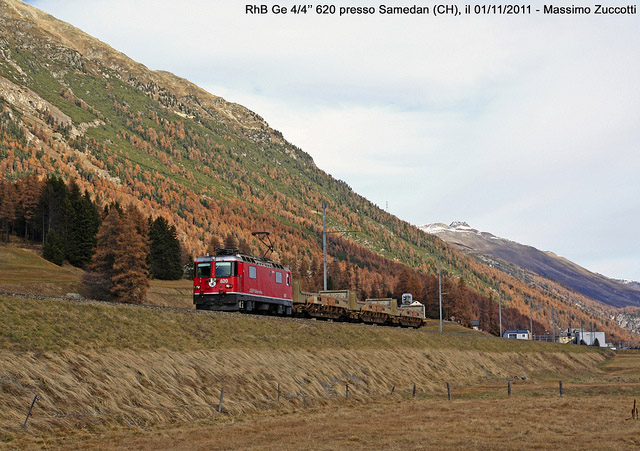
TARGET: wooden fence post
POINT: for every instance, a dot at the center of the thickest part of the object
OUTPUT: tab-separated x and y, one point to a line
414	391
509	388
449	391
35	398
278	393
392	390
221	396
346	393
560	386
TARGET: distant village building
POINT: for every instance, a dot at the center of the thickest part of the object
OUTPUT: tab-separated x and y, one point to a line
589	337
519	334
475	324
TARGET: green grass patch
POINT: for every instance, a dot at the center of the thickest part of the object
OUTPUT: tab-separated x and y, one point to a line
44	84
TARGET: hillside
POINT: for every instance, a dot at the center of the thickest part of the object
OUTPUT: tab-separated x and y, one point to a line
501	252
72	106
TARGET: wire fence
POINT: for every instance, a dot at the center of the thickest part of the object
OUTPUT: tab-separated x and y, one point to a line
281	399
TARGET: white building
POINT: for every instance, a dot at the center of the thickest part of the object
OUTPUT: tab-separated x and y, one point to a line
520	334
590	337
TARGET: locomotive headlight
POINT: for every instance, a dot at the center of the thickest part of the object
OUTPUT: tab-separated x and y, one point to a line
197	287
228	285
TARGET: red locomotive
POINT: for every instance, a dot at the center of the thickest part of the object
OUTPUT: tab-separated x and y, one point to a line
233	281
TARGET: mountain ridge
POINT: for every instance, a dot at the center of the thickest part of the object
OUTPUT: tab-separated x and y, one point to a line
545	263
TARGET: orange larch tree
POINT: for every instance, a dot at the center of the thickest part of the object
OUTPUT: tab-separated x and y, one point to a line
119	269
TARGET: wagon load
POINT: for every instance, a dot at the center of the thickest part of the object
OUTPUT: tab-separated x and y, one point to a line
379	311
411	316
410	313
336	305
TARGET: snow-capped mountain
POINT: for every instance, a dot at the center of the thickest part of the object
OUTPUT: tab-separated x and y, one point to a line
504	253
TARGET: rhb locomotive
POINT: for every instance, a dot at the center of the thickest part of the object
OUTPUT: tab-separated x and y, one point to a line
234	281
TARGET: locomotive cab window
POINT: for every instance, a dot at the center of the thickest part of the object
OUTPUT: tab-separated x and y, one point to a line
278	277
223	269
253	272
203	270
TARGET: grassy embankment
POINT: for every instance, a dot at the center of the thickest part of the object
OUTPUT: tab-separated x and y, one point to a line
24	271
97	366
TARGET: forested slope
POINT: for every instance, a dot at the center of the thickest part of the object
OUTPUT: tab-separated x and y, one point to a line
72	106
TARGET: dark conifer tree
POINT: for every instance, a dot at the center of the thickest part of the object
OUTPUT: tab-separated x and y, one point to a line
164	250
53	249
84	222
494	315
430	297
53	208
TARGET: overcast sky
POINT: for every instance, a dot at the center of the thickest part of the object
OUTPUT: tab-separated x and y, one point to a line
524	126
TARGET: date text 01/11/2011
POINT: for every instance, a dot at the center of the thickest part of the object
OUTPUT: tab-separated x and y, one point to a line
441	9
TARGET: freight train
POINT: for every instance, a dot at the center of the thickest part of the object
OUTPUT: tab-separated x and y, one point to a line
232	281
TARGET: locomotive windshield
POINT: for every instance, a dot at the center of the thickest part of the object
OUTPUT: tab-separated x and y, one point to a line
223	269
203	270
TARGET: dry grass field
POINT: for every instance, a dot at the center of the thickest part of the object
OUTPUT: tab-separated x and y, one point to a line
593	414
24	271
516	423
113	376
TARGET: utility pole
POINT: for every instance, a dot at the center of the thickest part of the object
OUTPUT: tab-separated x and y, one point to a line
324	243
440	291
500	307
531	317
